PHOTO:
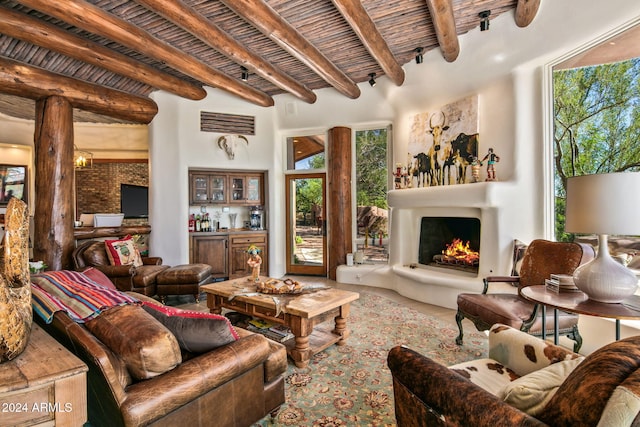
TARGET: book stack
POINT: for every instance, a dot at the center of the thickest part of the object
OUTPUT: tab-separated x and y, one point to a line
561	283
278	333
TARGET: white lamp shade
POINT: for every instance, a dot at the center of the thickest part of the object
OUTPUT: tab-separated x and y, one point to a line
604	204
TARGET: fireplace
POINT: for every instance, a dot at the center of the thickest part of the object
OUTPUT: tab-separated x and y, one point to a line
450	242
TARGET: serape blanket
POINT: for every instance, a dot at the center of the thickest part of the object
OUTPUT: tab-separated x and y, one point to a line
73	292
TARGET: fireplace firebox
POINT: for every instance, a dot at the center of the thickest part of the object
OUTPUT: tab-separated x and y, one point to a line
450	242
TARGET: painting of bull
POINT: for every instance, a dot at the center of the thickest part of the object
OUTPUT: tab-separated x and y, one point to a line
443	143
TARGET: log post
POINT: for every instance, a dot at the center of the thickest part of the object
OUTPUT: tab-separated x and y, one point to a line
339	197
53	214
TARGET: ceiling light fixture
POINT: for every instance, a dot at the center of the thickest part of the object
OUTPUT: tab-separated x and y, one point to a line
245	74
372	79
484	20
81	158
419	57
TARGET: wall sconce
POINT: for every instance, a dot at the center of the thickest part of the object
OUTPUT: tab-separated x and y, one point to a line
419	57
245	74
372	79
484	20
82	159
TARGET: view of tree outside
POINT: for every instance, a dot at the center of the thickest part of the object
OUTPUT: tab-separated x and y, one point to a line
596	126
371	193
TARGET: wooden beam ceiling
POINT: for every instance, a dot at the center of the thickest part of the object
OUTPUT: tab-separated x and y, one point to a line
264	18
43	34
444	25
93	19
356	15
34	83
188	19
526	10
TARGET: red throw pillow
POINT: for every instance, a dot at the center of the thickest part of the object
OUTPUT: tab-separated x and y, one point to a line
99	277
123	252
195	331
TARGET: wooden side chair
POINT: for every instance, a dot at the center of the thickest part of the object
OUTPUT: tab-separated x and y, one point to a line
541	259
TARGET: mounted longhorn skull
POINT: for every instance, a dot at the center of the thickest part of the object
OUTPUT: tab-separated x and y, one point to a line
228	144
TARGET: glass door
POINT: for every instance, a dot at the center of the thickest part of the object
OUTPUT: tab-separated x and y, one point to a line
306	224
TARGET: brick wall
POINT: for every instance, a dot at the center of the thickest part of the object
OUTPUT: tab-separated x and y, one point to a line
98	188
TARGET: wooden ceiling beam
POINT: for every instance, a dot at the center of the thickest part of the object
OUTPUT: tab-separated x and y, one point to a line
35	83
357	17
41	33
95	20
526	11
444	24
191	21
268	22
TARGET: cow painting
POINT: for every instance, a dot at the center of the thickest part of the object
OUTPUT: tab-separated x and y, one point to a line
436	129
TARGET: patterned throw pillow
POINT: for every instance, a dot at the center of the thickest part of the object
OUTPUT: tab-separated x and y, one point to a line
123	252
195	331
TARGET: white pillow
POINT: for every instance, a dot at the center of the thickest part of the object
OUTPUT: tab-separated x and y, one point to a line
530	393
621	409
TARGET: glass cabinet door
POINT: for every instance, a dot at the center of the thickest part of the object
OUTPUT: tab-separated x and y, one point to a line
237	190
254	187
200	189
218	188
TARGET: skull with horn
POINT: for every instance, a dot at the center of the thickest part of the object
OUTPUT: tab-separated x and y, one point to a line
228	144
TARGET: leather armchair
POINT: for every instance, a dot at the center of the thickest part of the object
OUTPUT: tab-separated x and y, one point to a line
140	279
541	259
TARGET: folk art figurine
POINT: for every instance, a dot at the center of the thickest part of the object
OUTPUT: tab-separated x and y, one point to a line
491	159
254	261
15	283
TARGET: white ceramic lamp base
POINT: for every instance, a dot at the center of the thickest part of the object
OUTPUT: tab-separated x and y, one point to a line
603	279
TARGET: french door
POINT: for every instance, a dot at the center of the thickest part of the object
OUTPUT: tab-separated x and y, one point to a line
306	224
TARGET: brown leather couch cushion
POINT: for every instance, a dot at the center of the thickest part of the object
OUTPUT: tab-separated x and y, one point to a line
146	346
96	254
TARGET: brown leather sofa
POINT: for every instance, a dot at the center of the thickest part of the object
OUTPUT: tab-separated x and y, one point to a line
234	385
141	279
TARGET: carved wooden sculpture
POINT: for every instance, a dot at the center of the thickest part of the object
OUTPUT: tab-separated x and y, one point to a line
15	283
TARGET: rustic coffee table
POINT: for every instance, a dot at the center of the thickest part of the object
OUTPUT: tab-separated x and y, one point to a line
306	314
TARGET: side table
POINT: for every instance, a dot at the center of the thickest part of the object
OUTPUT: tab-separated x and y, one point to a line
579	302
45	385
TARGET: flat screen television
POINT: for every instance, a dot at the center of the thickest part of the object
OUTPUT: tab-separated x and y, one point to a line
134	201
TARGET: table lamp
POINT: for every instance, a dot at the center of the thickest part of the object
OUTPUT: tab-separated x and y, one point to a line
604	204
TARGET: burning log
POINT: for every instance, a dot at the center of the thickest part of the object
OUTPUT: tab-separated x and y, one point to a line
458	253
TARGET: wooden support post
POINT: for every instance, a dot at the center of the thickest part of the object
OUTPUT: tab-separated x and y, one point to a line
339	197
53	214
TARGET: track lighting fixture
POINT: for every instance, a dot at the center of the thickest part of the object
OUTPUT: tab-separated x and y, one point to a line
245	74
372	79
484	20
419	57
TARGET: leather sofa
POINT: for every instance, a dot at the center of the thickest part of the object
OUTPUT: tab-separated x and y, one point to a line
142	279
525	381
233	385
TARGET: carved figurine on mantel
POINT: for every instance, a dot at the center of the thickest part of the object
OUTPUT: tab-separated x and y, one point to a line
491	158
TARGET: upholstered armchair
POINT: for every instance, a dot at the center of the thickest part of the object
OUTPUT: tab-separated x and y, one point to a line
525	381
541	259
141	279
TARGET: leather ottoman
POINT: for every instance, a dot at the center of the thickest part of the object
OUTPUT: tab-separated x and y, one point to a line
183	279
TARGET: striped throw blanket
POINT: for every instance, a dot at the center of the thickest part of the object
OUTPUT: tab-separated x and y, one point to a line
73	292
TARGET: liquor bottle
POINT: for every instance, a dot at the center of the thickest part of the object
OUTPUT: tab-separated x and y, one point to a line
198	223
192	223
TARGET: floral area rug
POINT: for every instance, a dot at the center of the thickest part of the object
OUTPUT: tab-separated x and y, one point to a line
351	385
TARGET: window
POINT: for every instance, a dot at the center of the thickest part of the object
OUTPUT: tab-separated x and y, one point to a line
372	181
305	152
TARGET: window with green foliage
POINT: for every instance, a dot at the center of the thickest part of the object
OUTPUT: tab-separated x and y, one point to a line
372	177
596	125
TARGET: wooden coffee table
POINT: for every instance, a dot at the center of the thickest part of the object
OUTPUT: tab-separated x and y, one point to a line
306	314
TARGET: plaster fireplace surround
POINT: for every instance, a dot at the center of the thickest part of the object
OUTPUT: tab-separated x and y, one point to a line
489	202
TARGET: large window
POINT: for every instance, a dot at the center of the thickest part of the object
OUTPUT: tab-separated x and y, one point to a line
372	180
596	125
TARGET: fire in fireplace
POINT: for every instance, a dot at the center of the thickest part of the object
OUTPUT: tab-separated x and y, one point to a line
450	242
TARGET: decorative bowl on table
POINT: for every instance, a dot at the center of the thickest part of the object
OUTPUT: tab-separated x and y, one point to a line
279	287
